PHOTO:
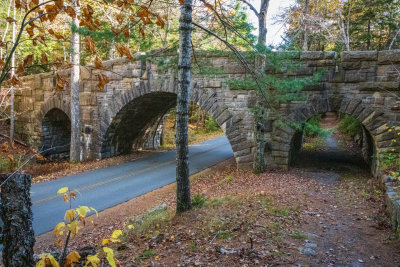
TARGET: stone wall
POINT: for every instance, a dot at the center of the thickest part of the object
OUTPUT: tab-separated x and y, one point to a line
361	84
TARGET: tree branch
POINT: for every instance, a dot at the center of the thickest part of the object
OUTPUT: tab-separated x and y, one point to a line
251	7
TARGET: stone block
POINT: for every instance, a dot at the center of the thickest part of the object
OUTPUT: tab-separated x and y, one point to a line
389	57
311	55
358	55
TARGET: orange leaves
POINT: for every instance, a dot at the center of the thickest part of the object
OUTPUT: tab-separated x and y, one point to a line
30	31
126	33
124	51
70	11
60	83
90	45
160	22
103	80
209	6
98	63
10	20
44	59
119	18
20	69
115	31
142	34
181	2
28	60
15	81
72	258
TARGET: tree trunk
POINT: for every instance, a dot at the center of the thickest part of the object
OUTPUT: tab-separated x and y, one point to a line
18	236
12	114
305	28
183	201
75	147
262	22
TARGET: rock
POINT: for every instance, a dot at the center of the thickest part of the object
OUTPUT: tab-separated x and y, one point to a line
308	251
388	179
311	245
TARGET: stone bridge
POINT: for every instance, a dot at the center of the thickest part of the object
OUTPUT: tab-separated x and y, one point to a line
362	84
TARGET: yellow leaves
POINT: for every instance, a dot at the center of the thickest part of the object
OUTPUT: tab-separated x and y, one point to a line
47	259
83	210
73	227
124	51
103	80
70	215
66	198
60	83
105	242
130	227
90	45
93	260
62	190
98	63
110	257
58	230
71	258
115	235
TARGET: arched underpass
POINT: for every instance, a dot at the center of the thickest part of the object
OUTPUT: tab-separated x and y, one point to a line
140	123
337	150
56	134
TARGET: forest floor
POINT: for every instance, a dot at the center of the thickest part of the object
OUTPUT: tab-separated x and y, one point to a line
326	211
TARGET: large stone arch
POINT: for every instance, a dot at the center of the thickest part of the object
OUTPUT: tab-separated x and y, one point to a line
110	115
375	122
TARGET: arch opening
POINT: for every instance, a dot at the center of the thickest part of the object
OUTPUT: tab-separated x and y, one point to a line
148	122
333	141
56	134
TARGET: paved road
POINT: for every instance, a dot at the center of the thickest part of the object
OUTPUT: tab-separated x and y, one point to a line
110	186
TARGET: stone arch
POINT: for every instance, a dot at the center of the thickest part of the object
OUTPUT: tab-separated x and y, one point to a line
374	121
111	115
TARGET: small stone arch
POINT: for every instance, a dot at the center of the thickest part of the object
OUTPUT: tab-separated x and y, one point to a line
373	119
241	143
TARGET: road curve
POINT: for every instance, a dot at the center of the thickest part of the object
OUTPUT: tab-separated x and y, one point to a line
105	188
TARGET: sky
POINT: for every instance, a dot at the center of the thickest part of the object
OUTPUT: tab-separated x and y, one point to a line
275	30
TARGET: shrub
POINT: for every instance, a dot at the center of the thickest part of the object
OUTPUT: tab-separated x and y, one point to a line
211	125
198	201
312	127
350	126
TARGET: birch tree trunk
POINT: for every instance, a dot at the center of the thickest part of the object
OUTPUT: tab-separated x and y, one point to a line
12	113
305	28
183	201
262	22
75	147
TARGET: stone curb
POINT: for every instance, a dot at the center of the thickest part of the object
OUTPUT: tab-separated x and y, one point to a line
392	201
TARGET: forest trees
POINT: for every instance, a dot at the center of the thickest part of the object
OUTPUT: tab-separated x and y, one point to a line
343	25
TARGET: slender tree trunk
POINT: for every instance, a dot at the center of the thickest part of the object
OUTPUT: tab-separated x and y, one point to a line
75	148
16	213
183	201
262	22
8	24
12	113
305	28
111	52
369	34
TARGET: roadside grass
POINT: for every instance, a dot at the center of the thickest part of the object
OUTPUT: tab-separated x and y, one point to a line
315	143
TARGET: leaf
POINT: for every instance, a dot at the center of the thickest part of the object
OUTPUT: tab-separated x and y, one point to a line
15	81
30	31
110	256
142	33
41	263
181	2
4	147
28	60
44	59
73	227
10	20
20	69
160	22
53	261
40	38
93	260
103	80
82	210
115	31
90	45
62	190
71	258
70	11
70	215
60	83
72	195
124	51
10	157
131	226
116	234
119	18
126	33
59	242
105	242
66	198
51	31
98	63
59	227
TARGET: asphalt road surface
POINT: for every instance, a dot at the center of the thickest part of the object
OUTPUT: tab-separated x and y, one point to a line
105	188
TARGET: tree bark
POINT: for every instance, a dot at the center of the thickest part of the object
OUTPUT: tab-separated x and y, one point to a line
305	28
262	22
75	148
12	113
183	201
18	236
